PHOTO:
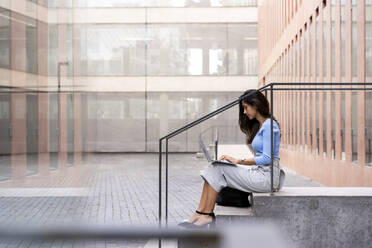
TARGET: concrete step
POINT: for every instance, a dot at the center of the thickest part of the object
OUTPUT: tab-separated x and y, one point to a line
231	214
311	216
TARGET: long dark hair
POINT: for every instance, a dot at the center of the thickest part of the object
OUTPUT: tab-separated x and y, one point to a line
256	99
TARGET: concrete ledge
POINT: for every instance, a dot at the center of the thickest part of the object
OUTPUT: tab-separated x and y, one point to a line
312	216
318	191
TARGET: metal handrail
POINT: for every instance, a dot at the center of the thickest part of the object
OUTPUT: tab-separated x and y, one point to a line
265	88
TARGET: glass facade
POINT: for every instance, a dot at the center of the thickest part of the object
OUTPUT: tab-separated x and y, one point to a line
132	50
115	121
168	49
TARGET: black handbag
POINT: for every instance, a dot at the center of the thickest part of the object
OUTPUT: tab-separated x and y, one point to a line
233	198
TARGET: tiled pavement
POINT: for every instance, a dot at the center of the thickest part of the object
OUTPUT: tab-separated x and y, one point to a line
119	188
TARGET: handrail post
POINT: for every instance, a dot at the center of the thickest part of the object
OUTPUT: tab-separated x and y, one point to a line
272	138
216	143
216	149
160	160
166	182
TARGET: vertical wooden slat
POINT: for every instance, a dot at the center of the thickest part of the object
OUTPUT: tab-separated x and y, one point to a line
308	80
329	76
320	78
303	92
287	112
298	92
293	75
348	94
313	114
361	78
295	6
286	13
338	140
290	95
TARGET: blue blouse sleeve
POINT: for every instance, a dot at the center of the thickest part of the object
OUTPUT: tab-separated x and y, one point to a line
265	157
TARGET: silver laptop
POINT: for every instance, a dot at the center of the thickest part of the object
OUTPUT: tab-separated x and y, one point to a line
210	160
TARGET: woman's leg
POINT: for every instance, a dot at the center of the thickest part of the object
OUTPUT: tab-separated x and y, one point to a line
207	200
206	204
195	216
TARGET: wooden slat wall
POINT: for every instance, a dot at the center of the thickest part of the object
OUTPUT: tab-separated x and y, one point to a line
284	35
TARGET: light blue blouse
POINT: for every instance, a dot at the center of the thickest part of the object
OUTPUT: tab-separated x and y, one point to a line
262	143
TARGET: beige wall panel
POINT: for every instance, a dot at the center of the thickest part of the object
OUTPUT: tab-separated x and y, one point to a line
154	15
205	15
201	84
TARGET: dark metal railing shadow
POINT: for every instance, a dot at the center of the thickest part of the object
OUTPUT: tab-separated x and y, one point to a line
267	88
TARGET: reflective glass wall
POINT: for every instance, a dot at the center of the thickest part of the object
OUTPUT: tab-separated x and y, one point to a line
164	49
37	57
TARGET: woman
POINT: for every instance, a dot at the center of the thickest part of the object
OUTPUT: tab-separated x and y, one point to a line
252	174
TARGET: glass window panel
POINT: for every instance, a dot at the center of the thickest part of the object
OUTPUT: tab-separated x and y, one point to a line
250	61
216	61
242	50
195	61
113	50
107	109
172	49
136	108
4	109
53	49
4	38
31	46
178	109
168	50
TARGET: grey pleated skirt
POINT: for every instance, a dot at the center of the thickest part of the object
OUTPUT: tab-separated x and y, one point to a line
256	178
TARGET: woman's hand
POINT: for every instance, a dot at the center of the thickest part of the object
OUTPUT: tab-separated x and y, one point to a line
229	158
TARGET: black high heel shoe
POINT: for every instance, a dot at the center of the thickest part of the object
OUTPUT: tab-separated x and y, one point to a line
186	223
206	225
